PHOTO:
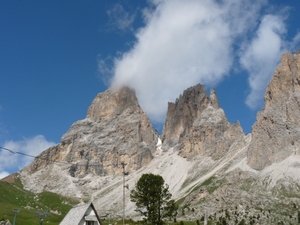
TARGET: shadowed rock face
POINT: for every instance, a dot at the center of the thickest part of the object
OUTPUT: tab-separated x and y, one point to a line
182	113
115	130
277	129
196	125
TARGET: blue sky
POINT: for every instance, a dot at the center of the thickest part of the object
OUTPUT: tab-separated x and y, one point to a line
56	56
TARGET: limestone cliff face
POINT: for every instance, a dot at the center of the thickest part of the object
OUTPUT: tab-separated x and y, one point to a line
211	135
182	113
277	129
115	130
196	125
203	158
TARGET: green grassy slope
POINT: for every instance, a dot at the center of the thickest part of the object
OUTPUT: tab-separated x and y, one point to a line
13	196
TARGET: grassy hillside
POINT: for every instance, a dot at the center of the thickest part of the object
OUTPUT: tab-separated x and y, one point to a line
13	196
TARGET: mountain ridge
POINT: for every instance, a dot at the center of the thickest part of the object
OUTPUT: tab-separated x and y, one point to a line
207	162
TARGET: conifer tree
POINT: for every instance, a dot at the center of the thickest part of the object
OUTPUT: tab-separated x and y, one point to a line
153	199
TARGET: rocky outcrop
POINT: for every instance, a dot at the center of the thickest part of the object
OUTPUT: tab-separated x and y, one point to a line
5	222
115	130
212	135
277	129
196	125
182	113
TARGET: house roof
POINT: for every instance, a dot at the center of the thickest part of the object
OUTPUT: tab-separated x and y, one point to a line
77	213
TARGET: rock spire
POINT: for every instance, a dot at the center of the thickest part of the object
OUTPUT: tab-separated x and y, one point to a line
277	129
182	113
196	125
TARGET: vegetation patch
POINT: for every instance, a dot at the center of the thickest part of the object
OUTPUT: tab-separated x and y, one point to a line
13	197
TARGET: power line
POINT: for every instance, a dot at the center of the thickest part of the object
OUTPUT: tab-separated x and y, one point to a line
48	160
8	150
20	153
32	156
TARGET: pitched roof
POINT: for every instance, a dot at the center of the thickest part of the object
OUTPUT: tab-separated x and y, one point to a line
75	215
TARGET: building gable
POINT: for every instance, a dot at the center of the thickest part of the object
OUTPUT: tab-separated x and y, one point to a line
82	215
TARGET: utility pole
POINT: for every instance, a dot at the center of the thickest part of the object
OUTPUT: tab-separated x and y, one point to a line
205	218
15	211
124	174
42	214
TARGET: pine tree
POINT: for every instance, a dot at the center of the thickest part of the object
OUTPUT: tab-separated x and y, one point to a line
153	199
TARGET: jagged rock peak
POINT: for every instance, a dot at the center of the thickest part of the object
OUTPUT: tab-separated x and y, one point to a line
277	129
213	99
116	130
113	102
183	112
196	124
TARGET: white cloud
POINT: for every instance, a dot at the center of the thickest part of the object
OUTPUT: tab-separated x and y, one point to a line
119	18
200	41
3	174
262	55
30	146
182	44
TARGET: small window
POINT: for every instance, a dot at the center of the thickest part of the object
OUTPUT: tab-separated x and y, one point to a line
90	223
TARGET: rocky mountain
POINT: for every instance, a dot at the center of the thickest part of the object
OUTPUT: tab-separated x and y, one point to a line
115	130
182	113
196	125
277	129
209	164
